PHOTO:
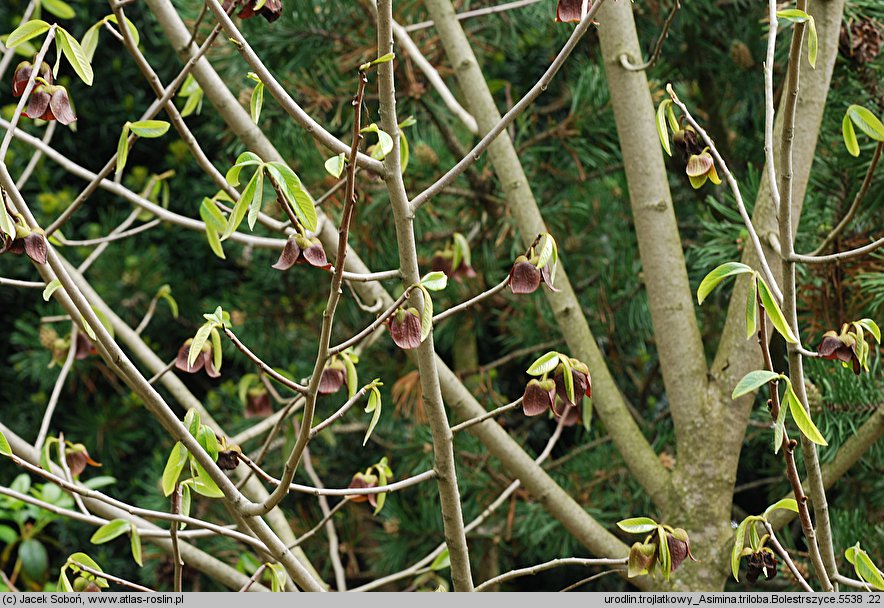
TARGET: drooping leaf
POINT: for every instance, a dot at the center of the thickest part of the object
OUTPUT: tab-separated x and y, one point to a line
242	205
135	545
662	129
385	142
739	543
5	450
752	381
352	376
123	148
374	406
427	314
813	43
544	364
872	327
89	41
637	525
34	558
203	483
59	8
435	281
849	135
780	428
794	15
7	226
257	200
774	313
110	531
751	308
215	223
864	566
295	194
256	102
802	418
217	352
715	277
82	558
866	122
174	465
199	340
335	165
246	159
63	583
26	31
50	289
149	129
277	578
132	29
73	52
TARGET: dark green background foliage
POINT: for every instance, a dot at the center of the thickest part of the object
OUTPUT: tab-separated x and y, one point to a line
569	148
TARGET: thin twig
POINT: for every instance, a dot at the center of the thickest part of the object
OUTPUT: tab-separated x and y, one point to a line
254	578
334	552
36	156
298	388
177	562
373	326
837	257
495	412
310	533
588	579
555	563
4	282
340	413
111	577
479	12
110	238
625	59
471	302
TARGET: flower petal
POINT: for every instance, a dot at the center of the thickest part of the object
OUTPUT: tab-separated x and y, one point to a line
35	247
60	105
524	278
331	381
407	332
290	254
38	103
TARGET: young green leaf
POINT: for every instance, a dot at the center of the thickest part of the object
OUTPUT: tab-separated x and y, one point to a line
335	165
82	558
427	314
752	381
385	142
199	340
544	364
242	205
89	41
569	379
26	31
404	151
662	129
384	59
149	129
664	555
435	281
217	352
774	313
174	466
788	504
864	566
547	246
637	525
215	223
73	52
867	122
135	544
462	250
442	561
715	277
872	327
203	484
849	135
207	439
739	543
246	159
192	422
751	308
63	583
794	15
7	226
132	29
780	428
5	450
352	376
294	193
374	406
110	531
257	200
813	43
277	578
802	418
50	289
123	148
256	102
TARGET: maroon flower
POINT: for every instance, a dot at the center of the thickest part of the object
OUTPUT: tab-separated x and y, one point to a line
301	250
77	457
204	360
570	414
539	396
26	241
85	347
700	168
679	547
258	403
581	380
405	328
364	480
23	74
572	11
50	102
269	9
525	277
842	347
763	561
443	261
332	379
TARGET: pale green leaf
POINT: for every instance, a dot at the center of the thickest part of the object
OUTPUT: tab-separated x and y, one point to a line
813	43
794	15
242	205
206	438
135	544
715	277
73	52
217	352
849	135
63	583
739	543
352	376
802	418
199	340
204	485
82	558
788	504
442	561
751	308
774	313
53	285
123	149
544	364
294	193
427	314
872	327
866	122
435	281
662	129
132	29
257	200
149	129
277	578
335	165
174	465
110	531
547	247
59	8
26	31
404	152
752	381
256	102
7	226
637	525
5	450
374	405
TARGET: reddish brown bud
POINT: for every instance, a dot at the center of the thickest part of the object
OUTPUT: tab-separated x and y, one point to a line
539	397
405	328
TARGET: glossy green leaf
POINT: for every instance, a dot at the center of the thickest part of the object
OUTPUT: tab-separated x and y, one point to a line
774	313
63	583
404	152
199	340
335	165
872	327
203	483
26	31
246	159
123	149
82	558
215	223
34	558
442	561
208	440
7	226
802	418
751	308
794	15
663	554
435	281
5	449
352	376
174	465
788	504
813	43
752	381
192	422
637	525
780	428
135	545
217	350
385	142
849	135
384	59
864	566
568	378
545	250
257	200
662	129
277	578
544	364
110	531
256	102
374	406
715	277
866	122
88	329
242	205
132	29
149	129
89	41
73	52
50	289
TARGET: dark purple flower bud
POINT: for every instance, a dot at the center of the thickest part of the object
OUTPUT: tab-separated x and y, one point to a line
314	255
50	102
362	480
20	78
679	547
524	277
331	381
258	403
289	255
405	328
539	397
271	9
228	459
840	347
77	457
572	11
763	561
204	360
38	103
35	247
